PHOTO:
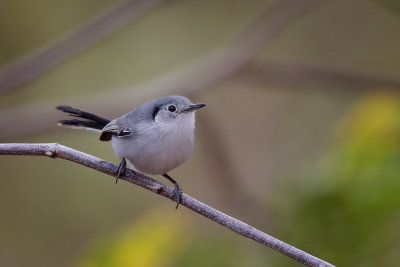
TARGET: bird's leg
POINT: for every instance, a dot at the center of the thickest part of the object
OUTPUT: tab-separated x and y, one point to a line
177	190
120	169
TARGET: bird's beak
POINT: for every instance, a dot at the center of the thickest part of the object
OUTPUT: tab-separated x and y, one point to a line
194	107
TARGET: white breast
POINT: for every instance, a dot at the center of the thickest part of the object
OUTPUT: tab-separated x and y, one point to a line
157	150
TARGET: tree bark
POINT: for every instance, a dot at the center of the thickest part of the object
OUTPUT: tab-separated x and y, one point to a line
55	150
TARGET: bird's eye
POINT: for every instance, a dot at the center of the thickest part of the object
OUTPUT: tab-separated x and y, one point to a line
171	108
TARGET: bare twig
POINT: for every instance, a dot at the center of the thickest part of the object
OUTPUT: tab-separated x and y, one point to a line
216	66
32	65
292	73
55	150
220	162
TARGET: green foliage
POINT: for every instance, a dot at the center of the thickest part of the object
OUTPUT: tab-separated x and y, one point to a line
347	212
350	211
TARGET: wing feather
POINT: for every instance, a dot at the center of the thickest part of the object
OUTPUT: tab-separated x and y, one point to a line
113	128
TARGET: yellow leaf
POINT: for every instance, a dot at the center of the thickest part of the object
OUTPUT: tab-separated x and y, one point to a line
155	239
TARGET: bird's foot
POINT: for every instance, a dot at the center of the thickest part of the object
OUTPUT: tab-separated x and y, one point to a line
120	169
177	191
178	194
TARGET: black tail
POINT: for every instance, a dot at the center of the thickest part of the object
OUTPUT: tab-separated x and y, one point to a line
91	120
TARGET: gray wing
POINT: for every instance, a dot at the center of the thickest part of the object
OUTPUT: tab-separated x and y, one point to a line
128	123
114	128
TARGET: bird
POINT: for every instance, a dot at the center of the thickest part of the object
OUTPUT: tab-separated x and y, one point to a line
154	138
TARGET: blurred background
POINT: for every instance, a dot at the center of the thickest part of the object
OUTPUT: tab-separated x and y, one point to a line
300	137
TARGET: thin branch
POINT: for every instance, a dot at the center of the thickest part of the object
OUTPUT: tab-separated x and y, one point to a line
33	64
220	162
292	73
55	150
188	79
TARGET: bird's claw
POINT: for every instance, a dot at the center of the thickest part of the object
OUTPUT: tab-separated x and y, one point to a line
177	194
120	169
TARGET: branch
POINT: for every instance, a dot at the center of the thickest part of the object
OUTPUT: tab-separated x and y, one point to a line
190	78
54	150
218	159
33	64
292	73
246	44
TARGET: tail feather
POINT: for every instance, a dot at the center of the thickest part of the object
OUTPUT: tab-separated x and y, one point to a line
91	120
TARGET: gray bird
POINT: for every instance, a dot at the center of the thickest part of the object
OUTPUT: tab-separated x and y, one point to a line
154	138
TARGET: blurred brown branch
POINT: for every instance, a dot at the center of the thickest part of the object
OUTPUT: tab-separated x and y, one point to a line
35	63
227	179
55	150
218	65
291	73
